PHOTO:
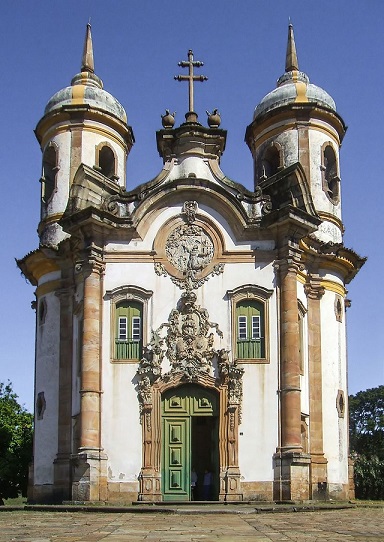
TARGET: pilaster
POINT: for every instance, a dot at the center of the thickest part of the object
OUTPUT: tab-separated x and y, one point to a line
90	465
62	463
291	465
318	476
289	356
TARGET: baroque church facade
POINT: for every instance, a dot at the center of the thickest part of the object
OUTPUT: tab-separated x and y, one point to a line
190	323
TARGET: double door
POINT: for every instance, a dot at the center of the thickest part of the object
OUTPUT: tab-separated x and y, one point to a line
189	441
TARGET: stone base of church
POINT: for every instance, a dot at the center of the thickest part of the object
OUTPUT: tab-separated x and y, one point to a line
62	468
89	476
257	491
230	485
291	477
150	485
351	478
318	478
123	492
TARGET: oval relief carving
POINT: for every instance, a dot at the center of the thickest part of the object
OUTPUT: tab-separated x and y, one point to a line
189	248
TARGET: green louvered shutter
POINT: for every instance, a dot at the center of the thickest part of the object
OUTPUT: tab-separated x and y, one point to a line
250	330
128	338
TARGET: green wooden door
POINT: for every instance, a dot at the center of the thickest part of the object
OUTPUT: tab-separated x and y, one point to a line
177	467
179	407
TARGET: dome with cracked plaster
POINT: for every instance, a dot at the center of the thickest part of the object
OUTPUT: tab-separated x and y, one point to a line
293	86
82	92
87	88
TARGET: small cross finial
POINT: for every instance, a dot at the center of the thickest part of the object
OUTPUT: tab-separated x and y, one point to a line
190	63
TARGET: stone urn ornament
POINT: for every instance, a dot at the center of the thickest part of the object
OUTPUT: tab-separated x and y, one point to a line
214	119
168	120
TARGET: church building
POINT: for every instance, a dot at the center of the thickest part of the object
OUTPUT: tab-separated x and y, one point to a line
189	323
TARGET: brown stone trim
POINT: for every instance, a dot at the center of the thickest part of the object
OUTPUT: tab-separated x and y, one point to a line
62	466
290	437
318	472
76	147
90	368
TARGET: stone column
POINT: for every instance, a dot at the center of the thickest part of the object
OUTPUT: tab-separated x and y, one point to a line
314	292
291	465
90	477
290	359
62	463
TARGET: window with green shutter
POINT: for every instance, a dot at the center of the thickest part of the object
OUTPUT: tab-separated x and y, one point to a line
250	339
129	336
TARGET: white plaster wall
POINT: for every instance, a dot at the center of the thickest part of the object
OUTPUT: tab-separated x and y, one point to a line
328	231
121	427
193	166
334	378
47	380
167	213
59	199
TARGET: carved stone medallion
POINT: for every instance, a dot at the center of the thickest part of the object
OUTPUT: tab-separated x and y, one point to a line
189	249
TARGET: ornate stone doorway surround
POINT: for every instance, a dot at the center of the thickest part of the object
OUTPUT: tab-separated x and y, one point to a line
151	417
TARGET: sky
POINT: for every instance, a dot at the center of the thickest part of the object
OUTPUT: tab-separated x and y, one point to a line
137	46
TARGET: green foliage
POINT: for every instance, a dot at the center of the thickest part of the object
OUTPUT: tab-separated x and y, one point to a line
369	478
366	435
366	422
16	430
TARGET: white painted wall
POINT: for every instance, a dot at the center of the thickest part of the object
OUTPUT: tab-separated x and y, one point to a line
47	381
334	378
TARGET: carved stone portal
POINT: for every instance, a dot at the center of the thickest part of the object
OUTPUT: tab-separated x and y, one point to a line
186	341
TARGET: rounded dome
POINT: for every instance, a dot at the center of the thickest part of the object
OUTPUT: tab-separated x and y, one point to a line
294	87
87	88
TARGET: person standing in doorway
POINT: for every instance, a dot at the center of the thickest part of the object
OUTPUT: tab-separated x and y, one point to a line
207	485
193	484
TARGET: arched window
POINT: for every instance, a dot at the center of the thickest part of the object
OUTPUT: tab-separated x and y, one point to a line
270	161
330	176
106	161
129	330
48	179
129	322
250	339
250	323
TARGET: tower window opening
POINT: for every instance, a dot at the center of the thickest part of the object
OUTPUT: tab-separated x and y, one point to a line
330	177
48	179
107	162
270	162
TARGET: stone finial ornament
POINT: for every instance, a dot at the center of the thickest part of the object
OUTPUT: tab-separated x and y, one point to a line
168	120
214	119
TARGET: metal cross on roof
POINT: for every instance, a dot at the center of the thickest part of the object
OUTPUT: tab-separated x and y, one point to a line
190	63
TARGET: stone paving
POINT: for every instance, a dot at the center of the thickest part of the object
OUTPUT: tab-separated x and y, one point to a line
353	524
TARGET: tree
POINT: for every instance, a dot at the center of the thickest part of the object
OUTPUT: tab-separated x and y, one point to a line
366	427
16	430
366	422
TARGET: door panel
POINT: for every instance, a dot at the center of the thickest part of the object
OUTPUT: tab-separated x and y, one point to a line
190	434
176	459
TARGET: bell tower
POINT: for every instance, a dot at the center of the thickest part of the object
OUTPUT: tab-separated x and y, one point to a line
298	123
82	124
